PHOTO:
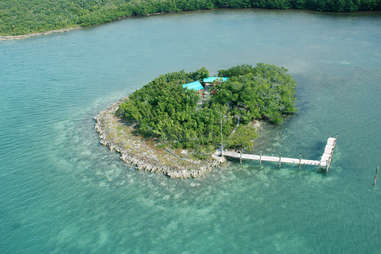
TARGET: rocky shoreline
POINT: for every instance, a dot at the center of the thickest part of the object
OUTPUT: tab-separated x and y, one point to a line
137	152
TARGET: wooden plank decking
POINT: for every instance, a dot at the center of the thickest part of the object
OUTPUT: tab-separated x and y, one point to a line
324	162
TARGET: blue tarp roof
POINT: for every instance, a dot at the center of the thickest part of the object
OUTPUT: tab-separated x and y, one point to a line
195	85
212	79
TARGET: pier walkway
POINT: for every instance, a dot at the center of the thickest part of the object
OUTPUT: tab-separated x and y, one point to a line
324	162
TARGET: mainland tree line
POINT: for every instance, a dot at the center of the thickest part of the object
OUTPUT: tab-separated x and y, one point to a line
27	16
163	110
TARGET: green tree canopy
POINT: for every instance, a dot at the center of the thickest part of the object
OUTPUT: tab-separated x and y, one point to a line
28	16
166	111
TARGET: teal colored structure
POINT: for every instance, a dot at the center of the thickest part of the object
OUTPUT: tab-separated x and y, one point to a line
212	79
195	85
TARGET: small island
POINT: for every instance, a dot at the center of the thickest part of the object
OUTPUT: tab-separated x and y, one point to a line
175	123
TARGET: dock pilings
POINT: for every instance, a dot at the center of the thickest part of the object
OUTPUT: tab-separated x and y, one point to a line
375	177
324	163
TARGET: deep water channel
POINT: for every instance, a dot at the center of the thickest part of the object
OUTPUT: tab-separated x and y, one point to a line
61	192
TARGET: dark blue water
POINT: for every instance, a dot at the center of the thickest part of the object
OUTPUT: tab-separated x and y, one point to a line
61	192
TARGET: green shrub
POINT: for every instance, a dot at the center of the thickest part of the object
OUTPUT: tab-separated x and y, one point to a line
166	111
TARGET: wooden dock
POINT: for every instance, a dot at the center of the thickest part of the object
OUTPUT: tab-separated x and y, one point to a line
323	163
326	158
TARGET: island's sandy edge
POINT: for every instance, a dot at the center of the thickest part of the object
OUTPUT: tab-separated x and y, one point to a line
131	158
25	36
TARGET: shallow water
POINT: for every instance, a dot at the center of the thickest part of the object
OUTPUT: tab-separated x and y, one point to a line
61	192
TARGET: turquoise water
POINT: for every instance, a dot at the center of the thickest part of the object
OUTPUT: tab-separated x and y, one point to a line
61	192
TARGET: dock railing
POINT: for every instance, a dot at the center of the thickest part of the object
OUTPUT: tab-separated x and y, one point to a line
323	163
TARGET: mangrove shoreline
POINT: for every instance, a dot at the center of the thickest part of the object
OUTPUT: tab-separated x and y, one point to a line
145	9
26	36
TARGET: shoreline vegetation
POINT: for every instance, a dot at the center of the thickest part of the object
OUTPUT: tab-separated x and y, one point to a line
143	154
27	18
25	36
177	123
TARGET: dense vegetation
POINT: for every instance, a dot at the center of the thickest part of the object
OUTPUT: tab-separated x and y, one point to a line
27	16
166	111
